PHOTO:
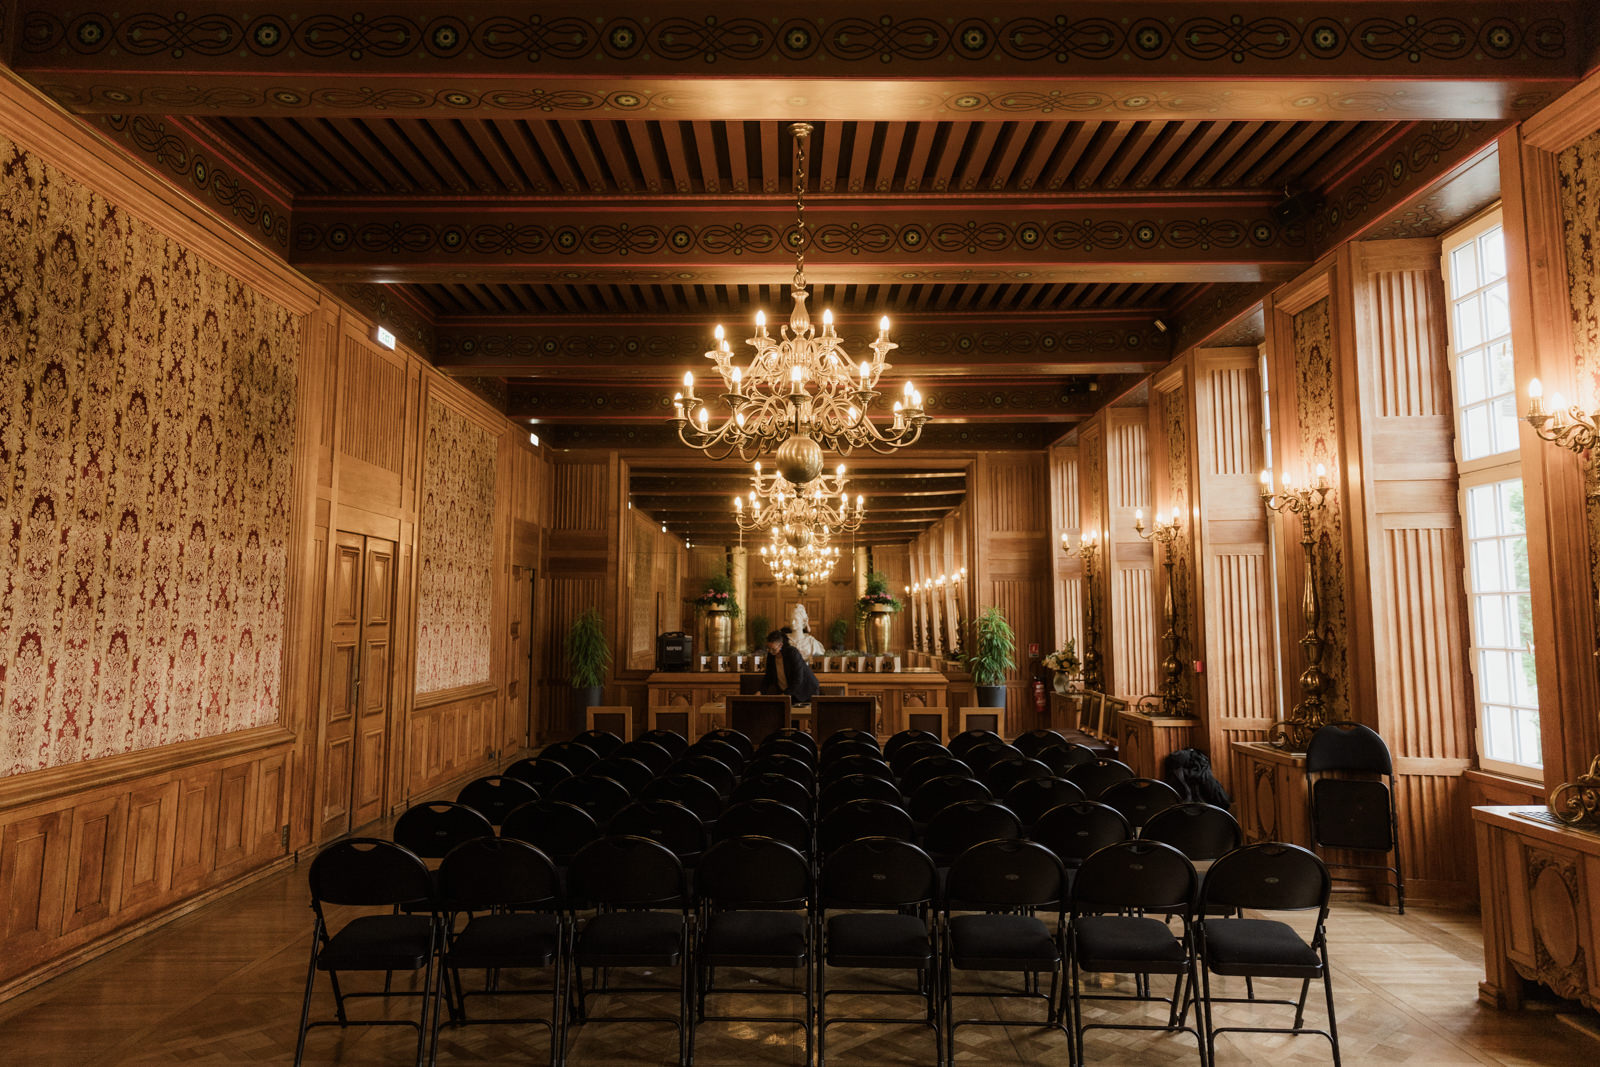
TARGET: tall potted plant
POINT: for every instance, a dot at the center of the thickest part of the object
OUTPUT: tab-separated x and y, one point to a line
993	645
587	657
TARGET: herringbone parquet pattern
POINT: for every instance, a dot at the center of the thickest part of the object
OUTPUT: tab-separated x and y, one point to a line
222	986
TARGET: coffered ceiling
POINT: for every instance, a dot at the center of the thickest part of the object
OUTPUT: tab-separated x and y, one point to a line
558	202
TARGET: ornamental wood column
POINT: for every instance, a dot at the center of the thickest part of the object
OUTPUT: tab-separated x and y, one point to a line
1129	559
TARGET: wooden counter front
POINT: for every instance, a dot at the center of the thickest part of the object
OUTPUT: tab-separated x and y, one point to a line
909	698
1540	890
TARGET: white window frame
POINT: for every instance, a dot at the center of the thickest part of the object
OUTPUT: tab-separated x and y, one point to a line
1485	470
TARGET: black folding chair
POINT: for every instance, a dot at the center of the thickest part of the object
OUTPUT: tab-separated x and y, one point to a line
630	774
1007	883
926	770
905	757
603	742
600	797
652	754
692	791
1112	930
675	744
1075	830
799	737
1001	776
933	797
960	826
1098	775
542	773
784	746
365	872
755	895
1062	758
571	755
1350	783
642	919
857	787
1139	799
707	768
906	737
721	749
495	795
857	819
1032	797
968	740
556	828
771	785
433	828
851	736
737	739
798	769
845	766
1271	877
766	818
1036	741
512	892
667	823
836	750
884	890
1200	831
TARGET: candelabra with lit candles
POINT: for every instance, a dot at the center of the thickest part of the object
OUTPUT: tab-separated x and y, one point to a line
1088	550
1310	713
1173	700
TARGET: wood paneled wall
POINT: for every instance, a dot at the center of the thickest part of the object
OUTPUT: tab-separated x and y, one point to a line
92	853
1235	573
584	542
1068	571
1009	498
1130	560
1173	486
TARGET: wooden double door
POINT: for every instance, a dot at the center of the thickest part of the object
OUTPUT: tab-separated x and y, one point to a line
357	701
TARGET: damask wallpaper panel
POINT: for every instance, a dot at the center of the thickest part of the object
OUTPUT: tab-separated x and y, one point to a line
147	422
1578	176
455	573
1317	400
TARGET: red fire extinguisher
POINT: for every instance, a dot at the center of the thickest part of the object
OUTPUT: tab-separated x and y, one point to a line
1038	697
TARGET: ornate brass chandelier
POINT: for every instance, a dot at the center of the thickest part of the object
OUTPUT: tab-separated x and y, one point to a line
801	392
777	503
800	566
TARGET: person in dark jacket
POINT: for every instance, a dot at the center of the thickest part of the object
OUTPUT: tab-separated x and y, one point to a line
787	671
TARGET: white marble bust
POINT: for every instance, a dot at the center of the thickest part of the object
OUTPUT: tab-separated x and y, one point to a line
809	646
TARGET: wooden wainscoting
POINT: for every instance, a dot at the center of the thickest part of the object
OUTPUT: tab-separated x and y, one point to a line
451	735
84	869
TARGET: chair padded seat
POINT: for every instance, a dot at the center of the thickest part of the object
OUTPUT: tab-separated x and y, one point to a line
878	939
1123	943
516	940
1263	947
631	939
379	943
755	939
1002	943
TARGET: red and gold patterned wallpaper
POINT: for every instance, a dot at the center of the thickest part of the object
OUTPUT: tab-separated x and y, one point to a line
455	574
147	420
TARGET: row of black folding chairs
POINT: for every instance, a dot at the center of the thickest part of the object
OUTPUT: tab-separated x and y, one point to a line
1006	906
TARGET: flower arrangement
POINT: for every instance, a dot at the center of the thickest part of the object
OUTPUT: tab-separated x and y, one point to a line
719	595
877	595
1064	660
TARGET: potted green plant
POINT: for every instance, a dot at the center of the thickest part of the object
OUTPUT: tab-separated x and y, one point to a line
760	627
993	645
838	631
587	657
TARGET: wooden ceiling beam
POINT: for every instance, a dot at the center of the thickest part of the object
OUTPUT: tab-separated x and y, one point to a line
1301	59
1174	236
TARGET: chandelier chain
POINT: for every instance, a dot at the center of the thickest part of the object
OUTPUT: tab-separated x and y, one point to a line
802	136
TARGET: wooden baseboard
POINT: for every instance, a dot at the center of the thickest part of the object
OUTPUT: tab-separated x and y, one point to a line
100	946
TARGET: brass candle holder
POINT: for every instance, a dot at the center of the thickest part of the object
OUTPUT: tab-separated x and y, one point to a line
1310	713
1173	700
1088	550
1576	803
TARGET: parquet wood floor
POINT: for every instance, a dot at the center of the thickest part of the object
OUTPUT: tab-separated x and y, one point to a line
223	985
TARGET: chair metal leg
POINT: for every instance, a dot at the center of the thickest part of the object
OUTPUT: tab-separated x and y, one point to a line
1300	1007
338	999
1327	988
305	1007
